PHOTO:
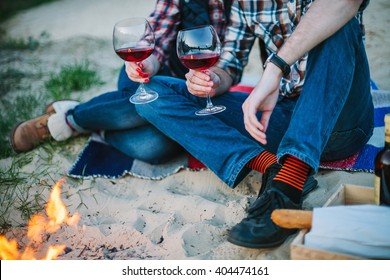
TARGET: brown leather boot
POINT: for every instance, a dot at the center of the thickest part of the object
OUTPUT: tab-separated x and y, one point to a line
29	134
50	109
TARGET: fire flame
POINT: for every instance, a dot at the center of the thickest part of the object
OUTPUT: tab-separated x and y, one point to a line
56	215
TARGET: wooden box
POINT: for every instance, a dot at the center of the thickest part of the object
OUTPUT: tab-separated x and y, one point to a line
345	195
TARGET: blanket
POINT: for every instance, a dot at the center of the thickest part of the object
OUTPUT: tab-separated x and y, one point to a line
98	159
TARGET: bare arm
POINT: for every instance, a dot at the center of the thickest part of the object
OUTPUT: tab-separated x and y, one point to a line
322	20
225	80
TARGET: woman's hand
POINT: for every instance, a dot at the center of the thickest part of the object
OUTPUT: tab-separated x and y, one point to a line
142	71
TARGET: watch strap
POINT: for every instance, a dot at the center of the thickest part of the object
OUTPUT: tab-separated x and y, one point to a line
279	62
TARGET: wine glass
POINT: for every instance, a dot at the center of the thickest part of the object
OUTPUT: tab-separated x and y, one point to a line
199	48
133	41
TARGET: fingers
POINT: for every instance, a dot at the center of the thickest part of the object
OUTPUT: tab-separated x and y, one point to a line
135	72
257	129
199	83
265	117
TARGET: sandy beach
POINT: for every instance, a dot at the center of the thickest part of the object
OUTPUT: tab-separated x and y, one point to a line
184	216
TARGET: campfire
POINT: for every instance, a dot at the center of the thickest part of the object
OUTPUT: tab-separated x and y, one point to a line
38	226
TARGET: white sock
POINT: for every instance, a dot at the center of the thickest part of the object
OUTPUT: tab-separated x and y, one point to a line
64	105
58	127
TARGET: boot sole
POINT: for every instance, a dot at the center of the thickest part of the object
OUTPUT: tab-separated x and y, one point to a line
309	187
11	139
257	246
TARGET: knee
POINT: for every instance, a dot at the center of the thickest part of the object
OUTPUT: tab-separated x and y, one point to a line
145	110
151	109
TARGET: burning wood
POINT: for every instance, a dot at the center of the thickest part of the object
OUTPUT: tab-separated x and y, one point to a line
56	215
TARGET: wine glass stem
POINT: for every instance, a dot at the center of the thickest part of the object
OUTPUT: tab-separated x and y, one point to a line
142	89
209	103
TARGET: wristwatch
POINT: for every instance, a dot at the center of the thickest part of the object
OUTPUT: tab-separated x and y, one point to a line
275	59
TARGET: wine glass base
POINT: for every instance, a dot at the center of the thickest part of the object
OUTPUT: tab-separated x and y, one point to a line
143	98
210	111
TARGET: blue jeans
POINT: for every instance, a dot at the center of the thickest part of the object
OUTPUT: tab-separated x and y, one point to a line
330	120
124	128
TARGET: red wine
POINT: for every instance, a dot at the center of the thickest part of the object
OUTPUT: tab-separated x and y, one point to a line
382	169
134	54
199	62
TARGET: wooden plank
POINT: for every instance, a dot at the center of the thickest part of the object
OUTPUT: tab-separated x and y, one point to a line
358	195
338	198
301	252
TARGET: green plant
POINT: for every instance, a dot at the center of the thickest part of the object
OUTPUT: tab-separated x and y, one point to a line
10	79
31	43
19	44
24	193
12	112
13	192
71	78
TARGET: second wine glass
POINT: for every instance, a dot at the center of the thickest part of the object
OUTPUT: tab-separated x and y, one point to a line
198	49
133	40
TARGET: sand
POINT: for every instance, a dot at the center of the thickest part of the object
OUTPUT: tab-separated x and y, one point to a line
184	216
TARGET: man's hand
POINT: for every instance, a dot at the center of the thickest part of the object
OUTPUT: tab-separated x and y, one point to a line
263	98
201	83
214	81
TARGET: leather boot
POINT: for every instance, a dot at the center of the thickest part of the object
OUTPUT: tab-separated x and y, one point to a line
29	134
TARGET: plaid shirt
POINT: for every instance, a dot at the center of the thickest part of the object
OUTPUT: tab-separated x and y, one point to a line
165	21
252	19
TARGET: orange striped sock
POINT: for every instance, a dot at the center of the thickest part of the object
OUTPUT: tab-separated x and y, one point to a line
291	178
262	161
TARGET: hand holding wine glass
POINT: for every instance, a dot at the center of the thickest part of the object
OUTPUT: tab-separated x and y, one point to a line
198	49
133	41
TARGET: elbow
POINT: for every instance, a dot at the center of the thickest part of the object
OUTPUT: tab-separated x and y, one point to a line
349	8
353	5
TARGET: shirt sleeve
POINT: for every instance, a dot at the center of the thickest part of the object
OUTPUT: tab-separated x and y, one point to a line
164	21
238	42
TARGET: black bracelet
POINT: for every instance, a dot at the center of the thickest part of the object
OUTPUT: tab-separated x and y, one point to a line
283	65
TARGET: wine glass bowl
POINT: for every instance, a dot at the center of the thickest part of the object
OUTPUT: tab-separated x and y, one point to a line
199	48
133	41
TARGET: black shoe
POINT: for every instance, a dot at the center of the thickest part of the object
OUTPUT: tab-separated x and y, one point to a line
270	173
310	185
257	230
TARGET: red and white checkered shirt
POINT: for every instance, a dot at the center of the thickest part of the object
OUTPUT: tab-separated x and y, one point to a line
166	18
273	21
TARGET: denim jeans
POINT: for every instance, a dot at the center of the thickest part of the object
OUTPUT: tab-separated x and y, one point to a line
331	119
124	129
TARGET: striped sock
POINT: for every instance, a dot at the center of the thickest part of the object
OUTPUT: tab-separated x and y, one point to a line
291	178
262	161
